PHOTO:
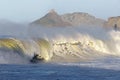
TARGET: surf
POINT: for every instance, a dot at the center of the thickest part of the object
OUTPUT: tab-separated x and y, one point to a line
78	44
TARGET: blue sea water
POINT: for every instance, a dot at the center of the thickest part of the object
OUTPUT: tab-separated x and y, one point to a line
52	71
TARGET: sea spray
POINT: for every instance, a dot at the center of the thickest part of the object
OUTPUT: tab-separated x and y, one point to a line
63	44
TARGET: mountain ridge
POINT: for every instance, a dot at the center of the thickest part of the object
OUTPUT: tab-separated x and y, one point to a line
53	19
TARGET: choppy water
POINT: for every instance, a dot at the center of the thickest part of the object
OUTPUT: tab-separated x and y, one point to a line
52	71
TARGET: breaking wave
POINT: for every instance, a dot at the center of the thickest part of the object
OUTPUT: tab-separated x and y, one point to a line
83	47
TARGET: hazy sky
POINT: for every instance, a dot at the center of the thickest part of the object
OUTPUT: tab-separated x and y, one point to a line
30	10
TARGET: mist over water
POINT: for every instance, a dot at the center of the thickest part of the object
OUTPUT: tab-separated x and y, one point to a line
69	44
25	31
93	31
11	29
104	39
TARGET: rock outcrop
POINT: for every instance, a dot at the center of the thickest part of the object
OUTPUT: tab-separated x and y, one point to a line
113	22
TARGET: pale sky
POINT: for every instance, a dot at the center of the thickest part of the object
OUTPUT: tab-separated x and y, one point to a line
30	10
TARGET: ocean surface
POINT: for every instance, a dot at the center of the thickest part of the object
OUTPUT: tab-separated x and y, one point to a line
102	70
40	53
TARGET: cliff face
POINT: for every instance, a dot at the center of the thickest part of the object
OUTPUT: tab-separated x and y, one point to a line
74	19
112	21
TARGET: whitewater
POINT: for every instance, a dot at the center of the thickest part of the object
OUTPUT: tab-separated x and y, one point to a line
61	44
77	53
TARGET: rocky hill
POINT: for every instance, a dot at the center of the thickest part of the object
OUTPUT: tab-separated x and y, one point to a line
52	19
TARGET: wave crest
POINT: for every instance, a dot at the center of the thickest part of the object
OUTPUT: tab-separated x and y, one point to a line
82	47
